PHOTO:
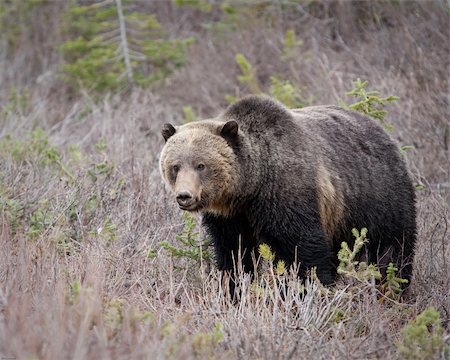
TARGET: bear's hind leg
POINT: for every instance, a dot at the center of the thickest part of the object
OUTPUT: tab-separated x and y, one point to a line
402	257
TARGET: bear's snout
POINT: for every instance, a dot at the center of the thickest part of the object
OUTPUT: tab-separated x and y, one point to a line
188	189
184	199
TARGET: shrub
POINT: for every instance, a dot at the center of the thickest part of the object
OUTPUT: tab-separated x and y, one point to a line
370	103
422	337
188	245
282	90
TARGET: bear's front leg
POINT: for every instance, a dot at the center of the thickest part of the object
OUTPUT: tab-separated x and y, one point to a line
307	249
233	243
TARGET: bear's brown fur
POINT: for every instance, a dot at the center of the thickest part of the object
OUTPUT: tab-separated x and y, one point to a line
298	180
219	184
331	202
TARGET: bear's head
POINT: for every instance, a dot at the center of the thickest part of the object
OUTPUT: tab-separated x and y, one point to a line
199	164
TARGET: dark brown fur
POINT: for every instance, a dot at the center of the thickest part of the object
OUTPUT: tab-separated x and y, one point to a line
298	180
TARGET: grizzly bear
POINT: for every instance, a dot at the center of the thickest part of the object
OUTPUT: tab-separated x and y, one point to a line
297	180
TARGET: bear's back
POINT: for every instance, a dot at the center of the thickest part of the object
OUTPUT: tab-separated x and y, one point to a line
264	118
330	119
346	136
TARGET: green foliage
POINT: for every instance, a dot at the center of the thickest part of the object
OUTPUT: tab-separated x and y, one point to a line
283	91
230	98
280	269
114	313
101	145
74	292
248	76
392	286
11	211
286	92
346	256
229	15
349	266
201	5
75	154
266	253
36	148
14	20
406	148
205	343
103	168
290	43
80	215
18	103
102	56
106	232
423	338
268	256
188	244
370	103
189	114
339	315
40	219
151	253
272	277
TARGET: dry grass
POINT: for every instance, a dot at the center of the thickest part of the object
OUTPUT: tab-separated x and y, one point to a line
76	282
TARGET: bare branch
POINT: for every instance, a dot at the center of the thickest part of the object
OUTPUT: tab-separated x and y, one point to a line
124	42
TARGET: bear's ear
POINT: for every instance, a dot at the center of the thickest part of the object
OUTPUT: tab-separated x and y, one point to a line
229	129
167	131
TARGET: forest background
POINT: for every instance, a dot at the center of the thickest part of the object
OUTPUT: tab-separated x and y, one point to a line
96	259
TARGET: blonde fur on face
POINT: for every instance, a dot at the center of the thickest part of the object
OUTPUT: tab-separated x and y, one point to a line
197	143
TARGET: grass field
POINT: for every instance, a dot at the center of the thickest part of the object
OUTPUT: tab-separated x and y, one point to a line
84	211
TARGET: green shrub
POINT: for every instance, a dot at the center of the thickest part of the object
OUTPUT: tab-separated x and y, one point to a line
189	114
202	5
11	211
282	90
352	268
18	103
370	103
14	20
290	43
286	92
35	148
188	245
248	76
392	286
423	338
204	344
40	219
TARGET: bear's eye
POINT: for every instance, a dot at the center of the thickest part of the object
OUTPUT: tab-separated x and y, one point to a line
176	168
201	167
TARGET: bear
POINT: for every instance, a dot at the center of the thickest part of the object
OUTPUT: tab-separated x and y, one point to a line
298	180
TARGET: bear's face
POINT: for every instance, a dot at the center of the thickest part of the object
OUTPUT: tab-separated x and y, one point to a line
199	165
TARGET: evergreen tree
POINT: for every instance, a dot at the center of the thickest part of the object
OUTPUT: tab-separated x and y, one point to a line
113	46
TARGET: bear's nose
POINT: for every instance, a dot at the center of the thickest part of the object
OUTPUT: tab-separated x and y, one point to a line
184	198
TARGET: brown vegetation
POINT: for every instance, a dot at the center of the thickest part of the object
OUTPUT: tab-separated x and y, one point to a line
82	274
